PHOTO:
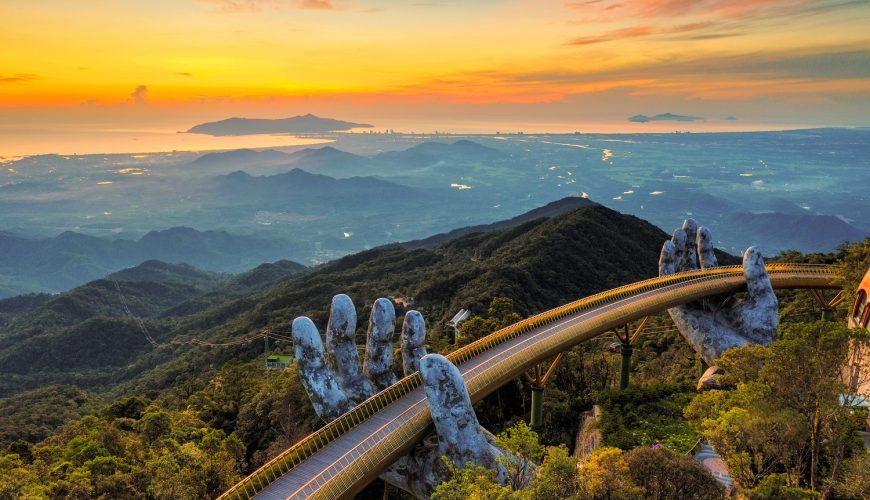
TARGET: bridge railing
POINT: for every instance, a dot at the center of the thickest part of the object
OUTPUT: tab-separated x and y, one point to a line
299	452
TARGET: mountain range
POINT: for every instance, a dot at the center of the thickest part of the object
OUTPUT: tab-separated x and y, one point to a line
314	205
211	163
70	259
299	184
87	338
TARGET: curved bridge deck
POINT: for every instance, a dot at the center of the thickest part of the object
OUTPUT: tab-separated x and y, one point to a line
342	457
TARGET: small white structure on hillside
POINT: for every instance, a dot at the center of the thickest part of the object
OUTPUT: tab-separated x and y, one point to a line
457	320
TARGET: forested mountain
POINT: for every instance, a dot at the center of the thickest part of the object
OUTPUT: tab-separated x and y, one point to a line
330	161
33	416
90	334
13	307
553	209
86	339
156	271
430	153
539	263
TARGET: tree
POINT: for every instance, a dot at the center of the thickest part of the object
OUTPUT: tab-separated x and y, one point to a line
737	435
557	476
643	416
473	329
855	481
16	481
501	312
154	425
775	487
163	454
605	474
665	475
854	262
499	315
803	373
471	483
743	364
274	414
522	452
786	415
131	407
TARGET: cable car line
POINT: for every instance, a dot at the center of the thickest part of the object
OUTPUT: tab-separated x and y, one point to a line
265	333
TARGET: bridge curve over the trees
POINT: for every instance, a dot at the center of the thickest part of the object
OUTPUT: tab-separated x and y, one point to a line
342	457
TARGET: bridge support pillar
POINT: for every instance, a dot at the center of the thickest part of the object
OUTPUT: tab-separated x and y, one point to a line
537	407
625	340
625	368
538	379
828	305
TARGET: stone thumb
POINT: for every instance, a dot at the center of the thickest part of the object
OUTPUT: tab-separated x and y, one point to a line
460	436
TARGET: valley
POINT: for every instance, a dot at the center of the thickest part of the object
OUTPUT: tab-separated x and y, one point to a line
778	190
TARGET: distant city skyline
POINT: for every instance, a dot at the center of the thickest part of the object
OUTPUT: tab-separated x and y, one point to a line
519	64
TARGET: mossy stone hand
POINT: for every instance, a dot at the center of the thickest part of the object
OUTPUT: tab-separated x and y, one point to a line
714	325
336	382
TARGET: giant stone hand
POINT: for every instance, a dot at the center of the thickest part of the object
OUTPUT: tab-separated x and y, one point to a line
335	383
712	326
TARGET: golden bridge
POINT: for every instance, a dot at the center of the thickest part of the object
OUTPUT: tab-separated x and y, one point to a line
342	457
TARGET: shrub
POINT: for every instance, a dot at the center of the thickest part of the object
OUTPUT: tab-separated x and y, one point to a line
774	487
665	475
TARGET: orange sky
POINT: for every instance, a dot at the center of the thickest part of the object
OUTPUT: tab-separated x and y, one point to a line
126	63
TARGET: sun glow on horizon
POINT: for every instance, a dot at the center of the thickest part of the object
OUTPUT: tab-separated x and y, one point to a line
191	60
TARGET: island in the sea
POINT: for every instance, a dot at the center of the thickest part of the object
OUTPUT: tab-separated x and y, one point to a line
306	124
665	117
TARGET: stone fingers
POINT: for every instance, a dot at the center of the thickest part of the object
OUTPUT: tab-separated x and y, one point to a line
321	384
760	311
413	341
705	248
667	259
378	366
679	241
460	436
690	255
342	351
757	280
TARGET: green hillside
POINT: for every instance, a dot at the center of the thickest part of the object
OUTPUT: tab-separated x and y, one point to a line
539	264
85	338
35	415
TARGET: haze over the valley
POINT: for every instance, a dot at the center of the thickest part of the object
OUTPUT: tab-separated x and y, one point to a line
68	219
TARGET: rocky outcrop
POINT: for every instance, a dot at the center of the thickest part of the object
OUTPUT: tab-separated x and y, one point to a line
589	435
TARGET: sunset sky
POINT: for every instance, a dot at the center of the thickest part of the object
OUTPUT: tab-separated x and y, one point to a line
174	63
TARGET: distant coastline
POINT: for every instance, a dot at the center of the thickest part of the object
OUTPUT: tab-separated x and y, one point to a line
71	141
